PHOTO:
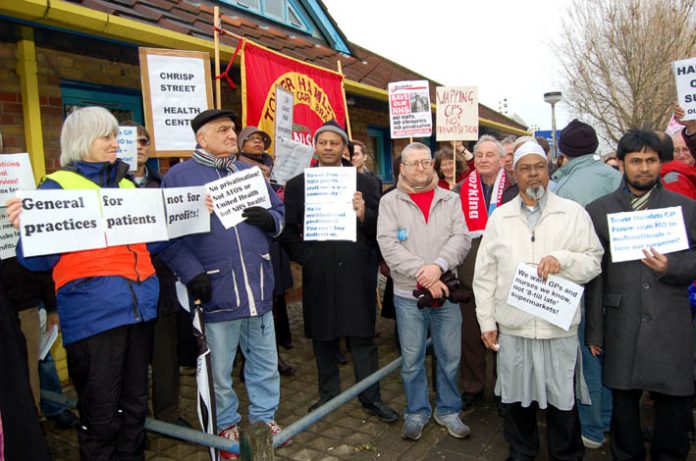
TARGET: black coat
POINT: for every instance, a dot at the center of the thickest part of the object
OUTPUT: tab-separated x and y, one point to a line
642	319
339	278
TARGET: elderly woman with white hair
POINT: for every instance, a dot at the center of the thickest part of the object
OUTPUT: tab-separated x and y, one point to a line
106	297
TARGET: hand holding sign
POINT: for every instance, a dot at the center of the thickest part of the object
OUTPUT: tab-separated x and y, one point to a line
548	265
14	209
655	261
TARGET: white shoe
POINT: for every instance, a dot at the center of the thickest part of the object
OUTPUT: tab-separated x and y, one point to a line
591	444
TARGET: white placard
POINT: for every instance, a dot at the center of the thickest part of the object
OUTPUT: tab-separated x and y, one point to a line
177	94
9	236
236	192
330	184
133	216
662	229
457	113
285	101
409	109
128	146
291	159
685	79
186	211
330	221
58	221
555	300
329	212
15	174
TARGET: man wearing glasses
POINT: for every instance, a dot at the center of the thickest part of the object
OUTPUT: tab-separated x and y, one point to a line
422	234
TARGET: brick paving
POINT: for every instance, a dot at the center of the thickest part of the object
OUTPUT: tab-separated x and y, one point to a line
348	433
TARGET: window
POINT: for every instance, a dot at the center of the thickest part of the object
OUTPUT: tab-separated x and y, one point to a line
381	149
288	12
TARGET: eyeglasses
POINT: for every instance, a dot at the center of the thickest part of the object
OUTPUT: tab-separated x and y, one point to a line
425	163
143	141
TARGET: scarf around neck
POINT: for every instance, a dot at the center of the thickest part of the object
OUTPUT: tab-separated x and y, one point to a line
221	163
474	204
404	186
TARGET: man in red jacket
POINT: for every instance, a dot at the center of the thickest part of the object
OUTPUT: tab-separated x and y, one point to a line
676	175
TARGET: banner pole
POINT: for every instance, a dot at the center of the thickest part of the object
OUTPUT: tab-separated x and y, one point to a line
454	160
216	36
345	101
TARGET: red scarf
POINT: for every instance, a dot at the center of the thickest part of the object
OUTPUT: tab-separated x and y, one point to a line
474	203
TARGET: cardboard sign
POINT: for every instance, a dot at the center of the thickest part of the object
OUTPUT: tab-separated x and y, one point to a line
329	213
409	109
186	211
9	236
662	229
128	146
555	300
133	216
285	101
291	159
685	79
176	87
236	192
58	221
457	113
15	174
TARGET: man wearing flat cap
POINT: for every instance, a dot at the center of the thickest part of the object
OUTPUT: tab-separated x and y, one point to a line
538	362
339	279
230	272
583	179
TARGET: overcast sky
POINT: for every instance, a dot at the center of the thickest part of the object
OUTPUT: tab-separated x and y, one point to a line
501	46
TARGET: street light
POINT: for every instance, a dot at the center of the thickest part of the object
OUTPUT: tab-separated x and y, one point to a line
552	98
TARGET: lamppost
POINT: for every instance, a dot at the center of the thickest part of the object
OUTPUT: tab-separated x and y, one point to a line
552	98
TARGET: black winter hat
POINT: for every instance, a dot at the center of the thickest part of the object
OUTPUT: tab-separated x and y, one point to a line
578	139
209	115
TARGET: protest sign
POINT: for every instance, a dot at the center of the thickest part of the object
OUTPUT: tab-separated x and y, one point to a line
555	300
15	174
58	221
128	146
284	111
329	213
457	113
409	109
176	87
133	216
236	192
662	229
685	79
8	236
291	158
186	211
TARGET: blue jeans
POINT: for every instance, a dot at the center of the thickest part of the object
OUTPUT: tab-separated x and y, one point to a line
49	381
594	418
445	325
256	338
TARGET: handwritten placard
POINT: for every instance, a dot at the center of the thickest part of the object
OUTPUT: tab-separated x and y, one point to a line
15	174
128	146
291	159
236	192
329	212
186	211
133	216
457	113
630	232
409	109
285	101
555	300
9	236
58	221
685	79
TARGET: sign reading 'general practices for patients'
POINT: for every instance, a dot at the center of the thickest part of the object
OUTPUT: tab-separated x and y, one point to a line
133	216
630	232
237	192
555	300
329	212
176	87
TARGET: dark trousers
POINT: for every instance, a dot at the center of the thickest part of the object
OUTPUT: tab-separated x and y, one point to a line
473	360
670	437
365	362
109	371
562	430
165	367
281	320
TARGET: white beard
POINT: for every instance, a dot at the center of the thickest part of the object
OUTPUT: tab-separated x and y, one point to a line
535	192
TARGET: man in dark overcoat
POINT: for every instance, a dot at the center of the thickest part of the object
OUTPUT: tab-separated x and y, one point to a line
339	279
638	312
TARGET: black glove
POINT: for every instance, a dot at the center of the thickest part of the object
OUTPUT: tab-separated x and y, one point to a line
200	288
259	217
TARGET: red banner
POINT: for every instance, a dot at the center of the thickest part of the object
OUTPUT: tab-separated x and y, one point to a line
318	92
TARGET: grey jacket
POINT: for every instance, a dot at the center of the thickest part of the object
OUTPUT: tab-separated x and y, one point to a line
585	178
408	243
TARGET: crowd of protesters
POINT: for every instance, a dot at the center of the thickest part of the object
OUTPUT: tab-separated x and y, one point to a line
450	235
